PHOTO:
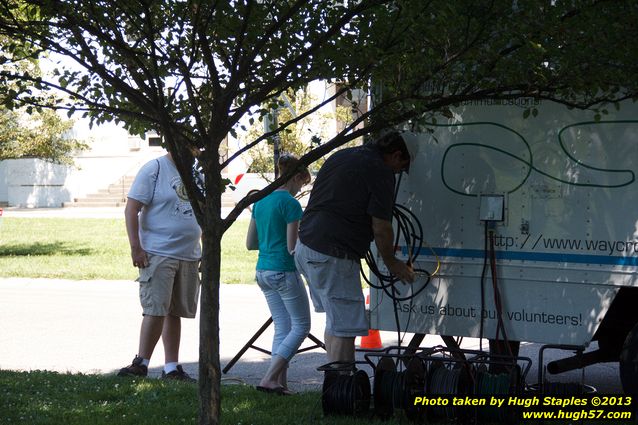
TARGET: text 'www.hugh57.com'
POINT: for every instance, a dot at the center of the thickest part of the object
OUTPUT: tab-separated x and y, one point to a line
574	408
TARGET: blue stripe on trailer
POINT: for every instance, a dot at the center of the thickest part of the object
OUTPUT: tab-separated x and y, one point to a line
531	256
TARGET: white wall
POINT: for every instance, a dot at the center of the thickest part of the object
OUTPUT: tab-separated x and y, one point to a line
32	183
4	193
113	153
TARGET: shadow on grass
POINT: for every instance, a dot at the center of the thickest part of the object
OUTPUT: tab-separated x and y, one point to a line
242	403
44	398
41	397
42	249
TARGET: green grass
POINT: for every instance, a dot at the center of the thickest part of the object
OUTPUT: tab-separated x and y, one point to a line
238	264
82	249
51	398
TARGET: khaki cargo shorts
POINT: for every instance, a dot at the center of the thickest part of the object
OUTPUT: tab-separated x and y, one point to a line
169	287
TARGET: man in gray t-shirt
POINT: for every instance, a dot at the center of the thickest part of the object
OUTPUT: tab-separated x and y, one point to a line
350	205
165	245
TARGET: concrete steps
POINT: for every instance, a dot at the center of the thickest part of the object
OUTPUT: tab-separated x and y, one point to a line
112	196
115	196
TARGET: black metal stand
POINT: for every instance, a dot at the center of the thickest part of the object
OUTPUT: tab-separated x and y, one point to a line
251	341
449	341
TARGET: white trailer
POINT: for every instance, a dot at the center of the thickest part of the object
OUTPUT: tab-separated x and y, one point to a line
557	193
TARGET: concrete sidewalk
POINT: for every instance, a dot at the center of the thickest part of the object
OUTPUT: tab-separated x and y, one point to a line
92	327
114	212
81	212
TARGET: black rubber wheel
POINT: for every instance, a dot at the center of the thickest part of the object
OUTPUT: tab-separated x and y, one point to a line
628	363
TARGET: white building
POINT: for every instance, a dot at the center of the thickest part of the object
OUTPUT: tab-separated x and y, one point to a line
103	173
113	155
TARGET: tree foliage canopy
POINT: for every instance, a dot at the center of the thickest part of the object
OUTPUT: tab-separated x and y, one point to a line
25	132
43	135
193	69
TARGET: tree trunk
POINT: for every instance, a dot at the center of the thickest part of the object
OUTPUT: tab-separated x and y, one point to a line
209	366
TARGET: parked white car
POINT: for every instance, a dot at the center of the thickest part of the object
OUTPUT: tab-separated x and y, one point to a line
246	182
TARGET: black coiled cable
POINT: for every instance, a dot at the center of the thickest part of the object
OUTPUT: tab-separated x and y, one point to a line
346	394
398	389
501	384
409	228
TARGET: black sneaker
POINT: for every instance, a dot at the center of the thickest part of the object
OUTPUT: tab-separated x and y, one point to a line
136	368
178	375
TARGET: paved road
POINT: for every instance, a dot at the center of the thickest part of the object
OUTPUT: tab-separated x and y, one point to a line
92	327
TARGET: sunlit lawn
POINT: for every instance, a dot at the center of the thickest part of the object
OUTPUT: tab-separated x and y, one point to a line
95	249
51	398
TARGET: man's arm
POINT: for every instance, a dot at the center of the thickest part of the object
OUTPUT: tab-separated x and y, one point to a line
384	239
131	212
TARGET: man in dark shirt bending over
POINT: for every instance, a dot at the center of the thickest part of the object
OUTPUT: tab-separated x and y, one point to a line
350	205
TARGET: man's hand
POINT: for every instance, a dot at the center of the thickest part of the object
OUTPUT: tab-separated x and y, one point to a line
139	257
401	270
383	238
131	213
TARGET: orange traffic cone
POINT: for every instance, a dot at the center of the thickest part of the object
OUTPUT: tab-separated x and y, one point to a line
373	340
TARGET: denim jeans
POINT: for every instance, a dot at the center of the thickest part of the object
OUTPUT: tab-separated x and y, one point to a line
288	302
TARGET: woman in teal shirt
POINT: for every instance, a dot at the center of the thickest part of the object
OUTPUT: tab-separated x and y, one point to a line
273	230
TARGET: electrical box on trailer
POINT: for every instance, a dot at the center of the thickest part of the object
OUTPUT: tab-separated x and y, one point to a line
492	207
558	193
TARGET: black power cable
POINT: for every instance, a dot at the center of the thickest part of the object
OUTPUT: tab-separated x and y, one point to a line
346	394
497	297
397	389
410	230
483	311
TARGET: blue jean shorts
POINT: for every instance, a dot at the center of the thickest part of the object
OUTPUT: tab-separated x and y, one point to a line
335	288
